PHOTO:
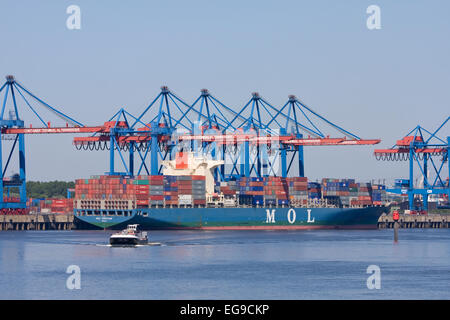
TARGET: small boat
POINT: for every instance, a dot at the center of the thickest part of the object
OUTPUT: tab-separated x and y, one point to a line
129	237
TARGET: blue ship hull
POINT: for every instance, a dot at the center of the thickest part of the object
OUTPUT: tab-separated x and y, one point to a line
270	218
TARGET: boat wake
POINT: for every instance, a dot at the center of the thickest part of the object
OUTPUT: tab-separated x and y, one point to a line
150	244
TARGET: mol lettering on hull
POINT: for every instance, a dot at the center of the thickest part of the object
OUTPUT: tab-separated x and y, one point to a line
291	216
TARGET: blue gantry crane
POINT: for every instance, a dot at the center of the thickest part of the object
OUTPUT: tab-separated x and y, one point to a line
427	150
255	140
12	127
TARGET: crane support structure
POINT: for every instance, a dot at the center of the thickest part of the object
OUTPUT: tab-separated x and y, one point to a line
427	151
258	139
13	128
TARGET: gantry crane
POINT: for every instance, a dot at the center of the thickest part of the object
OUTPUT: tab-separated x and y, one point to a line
245	138
427	150
12	127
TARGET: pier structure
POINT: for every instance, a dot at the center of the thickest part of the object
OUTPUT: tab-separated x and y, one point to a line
409	221
36	222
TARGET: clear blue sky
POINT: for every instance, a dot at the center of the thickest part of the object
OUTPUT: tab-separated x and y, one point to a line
375	83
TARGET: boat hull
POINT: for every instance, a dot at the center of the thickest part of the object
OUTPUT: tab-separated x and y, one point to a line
123	241
251	218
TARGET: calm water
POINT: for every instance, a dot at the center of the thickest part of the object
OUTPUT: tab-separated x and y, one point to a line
227	265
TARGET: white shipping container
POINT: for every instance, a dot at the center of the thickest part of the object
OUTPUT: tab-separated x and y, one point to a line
184	199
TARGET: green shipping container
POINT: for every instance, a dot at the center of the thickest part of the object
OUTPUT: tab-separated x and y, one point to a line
141	182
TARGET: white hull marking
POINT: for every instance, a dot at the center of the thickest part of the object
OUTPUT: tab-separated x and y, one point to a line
270	216
309	217
291	218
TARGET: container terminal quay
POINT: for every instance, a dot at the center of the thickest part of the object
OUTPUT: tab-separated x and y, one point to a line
207	166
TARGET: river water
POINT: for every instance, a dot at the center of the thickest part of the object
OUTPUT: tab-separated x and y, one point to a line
322	264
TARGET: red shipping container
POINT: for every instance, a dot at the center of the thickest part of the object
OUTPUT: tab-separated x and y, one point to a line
156	178
184	182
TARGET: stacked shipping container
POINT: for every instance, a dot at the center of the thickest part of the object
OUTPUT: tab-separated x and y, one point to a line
104	187
298	190
314	190
51	205
146	190
170	191
191	190
251	191
363	191
228	188
61	205
276	191
378	194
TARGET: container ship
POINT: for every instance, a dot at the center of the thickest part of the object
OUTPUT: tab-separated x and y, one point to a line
187	196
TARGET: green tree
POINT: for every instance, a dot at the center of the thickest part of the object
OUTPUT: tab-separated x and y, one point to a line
51	189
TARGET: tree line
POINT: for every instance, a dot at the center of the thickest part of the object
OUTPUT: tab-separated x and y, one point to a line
50	189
